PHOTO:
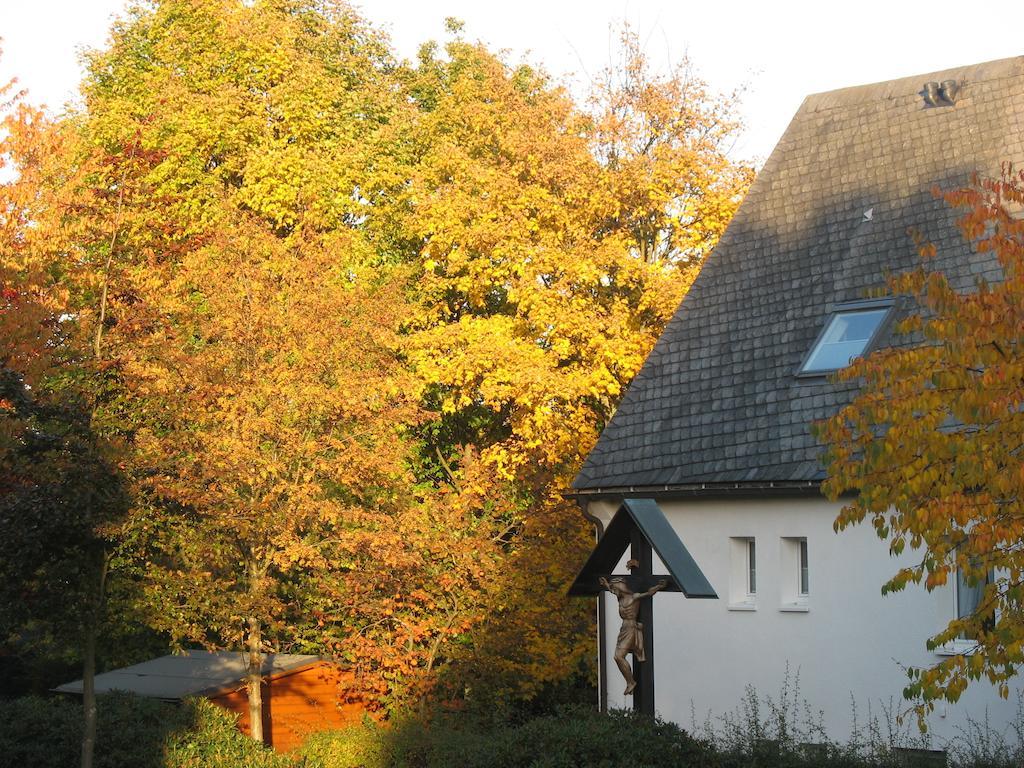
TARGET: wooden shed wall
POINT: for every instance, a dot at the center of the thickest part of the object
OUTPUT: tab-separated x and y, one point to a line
296	704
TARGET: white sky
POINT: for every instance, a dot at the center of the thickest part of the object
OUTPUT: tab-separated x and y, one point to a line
780	50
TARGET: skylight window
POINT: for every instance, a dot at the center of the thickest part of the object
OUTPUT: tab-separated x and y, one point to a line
847	335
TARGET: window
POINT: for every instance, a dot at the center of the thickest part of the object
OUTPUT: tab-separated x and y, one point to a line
804	576
967	598
743	579
795	580
848	334
751	568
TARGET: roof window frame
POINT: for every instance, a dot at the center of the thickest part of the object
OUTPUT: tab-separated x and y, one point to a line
834	310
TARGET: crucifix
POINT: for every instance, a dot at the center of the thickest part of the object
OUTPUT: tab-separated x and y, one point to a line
640	526
631	635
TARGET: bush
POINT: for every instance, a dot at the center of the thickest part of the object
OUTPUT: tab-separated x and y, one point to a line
41	733
575	738
212	740
784	732
131	731
359	746
762	732
979	745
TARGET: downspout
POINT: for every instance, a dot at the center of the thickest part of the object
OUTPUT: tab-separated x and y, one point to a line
602	640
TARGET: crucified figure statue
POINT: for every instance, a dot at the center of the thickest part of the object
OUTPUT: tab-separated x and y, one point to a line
631	635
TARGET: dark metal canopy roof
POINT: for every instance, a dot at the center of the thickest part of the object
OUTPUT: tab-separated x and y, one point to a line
719	401
644	516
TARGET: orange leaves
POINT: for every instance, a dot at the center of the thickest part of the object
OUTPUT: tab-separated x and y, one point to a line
364	320
932	445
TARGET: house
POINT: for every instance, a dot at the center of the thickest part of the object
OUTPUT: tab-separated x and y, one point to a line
714	429
300	693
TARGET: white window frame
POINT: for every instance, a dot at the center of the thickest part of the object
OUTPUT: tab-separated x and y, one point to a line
752	568
792	598
803	589
836	311
960	646
742	572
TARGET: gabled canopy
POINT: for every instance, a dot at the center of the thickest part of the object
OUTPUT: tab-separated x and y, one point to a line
642	516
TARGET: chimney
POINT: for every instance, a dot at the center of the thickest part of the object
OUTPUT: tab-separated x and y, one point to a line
948	90
944	95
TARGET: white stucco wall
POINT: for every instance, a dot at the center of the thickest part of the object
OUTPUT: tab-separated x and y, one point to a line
849	642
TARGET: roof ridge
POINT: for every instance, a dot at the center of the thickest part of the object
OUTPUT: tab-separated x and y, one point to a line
996	69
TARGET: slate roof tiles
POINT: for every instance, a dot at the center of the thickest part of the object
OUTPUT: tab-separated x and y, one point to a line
717	400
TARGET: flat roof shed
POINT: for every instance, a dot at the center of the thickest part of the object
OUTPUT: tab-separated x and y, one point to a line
300	692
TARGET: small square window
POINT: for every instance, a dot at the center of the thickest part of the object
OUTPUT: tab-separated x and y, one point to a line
848	334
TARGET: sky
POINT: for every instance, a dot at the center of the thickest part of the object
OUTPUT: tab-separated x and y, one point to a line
776	52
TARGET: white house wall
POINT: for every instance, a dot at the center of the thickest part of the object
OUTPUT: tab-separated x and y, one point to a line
849	644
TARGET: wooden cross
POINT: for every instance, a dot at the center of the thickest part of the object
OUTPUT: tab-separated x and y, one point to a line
640	526
641	551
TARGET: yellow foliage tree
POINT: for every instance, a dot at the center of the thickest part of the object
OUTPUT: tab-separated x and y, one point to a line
353	325
276	441
554	244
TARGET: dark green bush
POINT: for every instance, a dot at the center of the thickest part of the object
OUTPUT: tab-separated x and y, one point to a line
142	733
40	732
760	736
132	732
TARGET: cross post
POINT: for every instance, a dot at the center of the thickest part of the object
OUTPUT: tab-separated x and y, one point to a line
643	697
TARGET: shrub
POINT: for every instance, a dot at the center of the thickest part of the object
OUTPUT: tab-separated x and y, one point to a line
131	731
212	740
574	738
42	733
761	733
979	745
359	746
47	732
784	732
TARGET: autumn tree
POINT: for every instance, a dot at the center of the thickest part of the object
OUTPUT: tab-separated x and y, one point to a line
554	242
931	446
62	422
281	443
350	326
264	295
263	358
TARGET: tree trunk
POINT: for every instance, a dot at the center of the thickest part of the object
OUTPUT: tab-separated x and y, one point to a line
89	695
95	620
92	629
254	679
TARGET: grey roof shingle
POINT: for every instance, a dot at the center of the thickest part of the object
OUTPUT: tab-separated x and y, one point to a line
717	400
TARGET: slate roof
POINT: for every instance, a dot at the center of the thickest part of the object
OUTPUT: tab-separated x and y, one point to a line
196	673
717	401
